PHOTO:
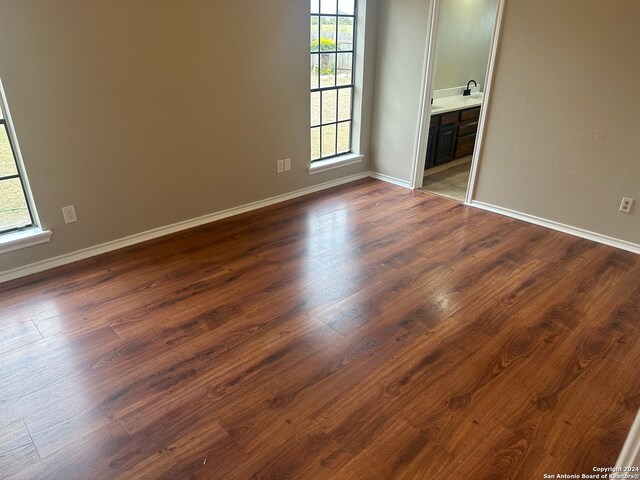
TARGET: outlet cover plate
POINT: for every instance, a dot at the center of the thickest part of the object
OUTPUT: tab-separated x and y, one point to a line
625	205
69	214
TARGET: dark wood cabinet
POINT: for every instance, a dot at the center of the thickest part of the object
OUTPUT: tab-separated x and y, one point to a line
450	118
452	135
431	148
445	144
467	129
470	114
464	146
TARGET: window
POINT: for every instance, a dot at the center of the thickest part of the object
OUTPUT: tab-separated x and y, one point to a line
15	211
333	38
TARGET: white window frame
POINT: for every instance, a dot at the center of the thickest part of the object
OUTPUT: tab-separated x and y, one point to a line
33	234
355	156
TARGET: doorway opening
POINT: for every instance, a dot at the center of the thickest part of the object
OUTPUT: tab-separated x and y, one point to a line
459	62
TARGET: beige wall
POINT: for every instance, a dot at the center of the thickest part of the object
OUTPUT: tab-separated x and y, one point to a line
402	30
402	38
464	38
563	139
144	113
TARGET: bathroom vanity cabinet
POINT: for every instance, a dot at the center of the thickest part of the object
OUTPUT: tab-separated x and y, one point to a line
452	135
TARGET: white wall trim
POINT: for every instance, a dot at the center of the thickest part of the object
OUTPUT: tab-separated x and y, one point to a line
18	157
184	225
560	227
166	230
426	88
23	239
630	454
424	115
319	166
484	112
389	179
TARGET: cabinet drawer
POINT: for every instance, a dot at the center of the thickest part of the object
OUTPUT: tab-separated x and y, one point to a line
464	146
449	118
470	114
467	129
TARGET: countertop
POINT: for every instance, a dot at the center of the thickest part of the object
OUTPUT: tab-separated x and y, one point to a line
453	103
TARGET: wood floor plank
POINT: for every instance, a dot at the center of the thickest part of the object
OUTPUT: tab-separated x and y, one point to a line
367	331
17	450
18	333
101	454
407	453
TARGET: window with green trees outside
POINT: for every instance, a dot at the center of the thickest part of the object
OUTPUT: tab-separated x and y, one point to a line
332	49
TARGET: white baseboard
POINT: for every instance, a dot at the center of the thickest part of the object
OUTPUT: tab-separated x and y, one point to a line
67	258
166	230
390	179
560	227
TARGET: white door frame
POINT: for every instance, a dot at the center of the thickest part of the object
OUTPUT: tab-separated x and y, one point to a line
424	115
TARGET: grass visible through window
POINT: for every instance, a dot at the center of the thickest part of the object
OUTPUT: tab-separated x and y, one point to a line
332	47
14	212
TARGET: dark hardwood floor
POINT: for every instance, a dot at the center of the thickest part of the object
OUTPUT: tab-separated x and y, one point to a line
364	332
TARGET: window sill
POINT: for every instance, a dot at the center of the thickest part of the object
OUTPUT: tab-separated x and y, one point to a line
23	239
337	162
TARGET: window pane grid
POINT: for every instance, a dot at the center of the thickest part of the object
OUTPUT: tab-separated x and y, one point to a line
333	15
333	38
9	177
15	211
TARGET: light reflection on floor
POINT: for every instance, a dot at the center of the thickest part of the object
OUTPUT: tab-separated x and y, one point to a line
329	239
59	362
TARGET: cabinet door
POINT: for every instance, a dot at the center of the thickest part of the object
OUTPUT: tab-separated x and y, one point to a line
445	145
431	148
465	146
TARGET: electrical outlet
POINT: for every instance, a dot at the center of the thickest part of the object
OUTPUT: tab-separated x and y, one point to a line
69	214
625	206
280	166
287	164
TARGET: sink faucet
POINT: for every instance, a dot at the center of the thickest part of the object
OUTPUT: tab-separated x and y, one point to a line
467	92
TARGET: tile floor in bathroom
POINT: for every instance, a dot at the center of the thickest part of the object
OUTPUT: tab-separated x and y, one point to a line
450	183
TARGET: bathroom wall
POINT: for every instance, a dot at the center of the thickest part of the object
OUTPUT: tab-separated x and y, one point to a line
464	39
